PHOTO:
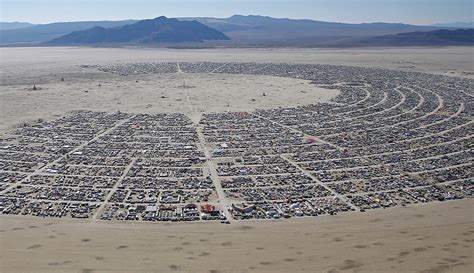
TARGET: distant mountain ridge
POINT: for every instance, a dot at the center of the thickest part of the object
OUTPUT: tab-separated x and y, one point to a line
158	30
244	31
456	25
268	30
14	25
46	32
440	37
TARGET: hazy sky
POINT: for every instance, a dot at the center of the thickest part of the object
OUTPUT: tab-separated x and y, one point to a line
353	11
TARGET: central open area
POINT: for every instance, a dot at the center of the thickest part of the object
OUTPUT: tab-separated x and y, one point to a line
192	94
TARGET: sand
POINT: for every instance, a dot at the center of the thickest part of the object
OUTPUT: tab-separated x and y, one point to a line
436	237
426	238
156	93
21	68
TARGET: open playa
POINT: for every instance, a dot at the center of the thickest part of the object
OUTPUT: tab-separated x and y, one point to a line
429	236
21	68
157	93
424	239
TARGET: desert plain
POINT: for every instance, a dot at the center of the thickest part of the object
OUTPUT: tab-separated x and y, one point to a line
437	237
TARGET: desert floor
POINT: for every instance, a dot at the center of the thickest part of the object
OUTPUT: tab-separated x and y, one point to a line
157	93
21	68
427	238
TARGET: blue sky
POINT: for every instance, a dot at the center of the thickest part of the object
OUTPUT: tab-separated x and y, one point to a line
352	11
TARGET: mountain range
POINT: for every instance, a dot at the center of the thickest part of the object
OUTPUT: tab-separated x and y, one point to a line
268	30
14	25
442	37
242	30
456	25
46	32
158	30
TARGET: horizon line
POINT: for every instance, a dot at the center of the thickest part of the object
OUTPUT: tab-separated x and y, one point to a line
185	17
